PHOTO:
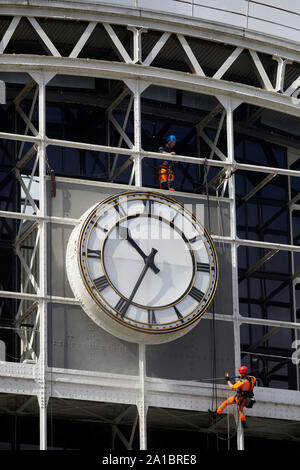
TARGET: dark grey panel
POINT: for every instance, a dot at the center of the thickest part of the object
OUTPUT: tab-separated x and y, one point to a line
76	342
58	236
191	357
72	200
222	302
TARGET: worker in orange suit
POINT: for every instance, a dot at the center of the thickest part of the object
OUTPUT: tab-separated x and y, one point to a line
244	393
165	171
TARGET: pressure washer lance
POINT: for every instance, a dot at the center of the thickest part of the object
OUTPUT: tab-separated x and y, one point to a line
219	378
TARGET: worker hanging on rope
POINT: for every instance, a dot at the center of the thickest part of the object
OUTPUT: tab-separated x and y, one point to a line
244	396
166	168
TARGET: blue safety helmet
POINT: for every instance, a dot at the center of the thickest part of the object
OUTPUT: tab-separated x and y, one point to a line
171	138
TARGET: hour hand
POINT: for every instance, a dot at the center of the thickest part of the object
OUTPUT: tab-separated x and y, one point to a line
125	234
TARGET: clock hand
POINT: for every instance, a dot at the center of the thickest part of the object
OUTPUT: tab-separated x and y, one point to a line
149	263
125	234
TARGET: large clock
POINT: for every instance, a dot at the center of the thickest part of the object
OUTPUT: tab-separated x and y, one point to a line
142	266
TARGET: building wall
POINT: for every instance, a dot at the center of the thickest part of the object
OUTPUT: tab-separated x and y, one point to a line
245	72
266	17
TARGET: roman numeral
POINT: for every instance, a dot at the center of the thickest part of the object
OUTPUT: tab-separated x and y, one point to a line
196	294
148	204
151	316
172	221
178	314
96	254
203	267
195	239
101	283
101	228
122	307
120	210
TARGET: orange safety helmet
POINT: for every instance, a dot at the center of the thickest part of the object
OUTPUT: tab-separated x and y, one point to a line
243	370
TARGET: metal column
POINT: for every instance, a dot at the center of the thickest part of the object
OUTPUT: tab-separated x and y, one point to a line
137	134
43	357
230	105
141	405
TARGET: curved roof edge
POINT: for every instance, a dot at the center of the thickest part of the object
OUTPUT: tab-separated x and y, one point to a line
266	24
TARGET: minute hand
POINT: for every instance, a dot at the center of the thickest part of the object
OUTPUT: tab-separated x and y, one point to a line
149	263
125	234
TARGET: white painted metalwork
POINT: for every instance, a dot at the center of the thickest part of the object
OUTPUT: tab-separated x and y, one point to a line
138	74
43	356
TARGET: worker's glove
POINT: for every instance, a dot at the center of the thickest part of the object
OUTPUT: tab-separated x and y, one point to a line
227	378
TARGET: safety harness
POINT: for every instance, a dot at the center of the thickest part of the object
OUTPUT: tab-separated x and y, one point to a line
246	395
166	174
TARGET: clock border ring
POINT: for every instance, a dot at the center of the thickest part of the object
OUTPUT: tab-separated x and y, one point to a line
209	242
207	245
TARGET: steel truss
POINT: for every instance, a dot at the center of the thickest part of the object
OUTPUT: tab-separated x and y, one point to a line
137	73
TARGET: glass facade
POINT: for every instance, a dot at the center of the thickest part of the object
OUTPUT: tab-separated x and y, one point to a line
98	132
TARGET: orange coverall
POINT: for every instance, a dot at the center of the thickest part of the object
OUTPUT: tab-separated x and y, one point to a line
166	175
243	385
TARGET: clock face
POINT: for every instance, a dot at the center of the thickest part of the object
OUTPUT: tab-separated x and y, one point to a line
142	266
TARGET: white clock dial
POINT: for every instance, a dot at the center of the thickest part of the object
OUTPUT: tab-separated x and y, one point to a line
144	268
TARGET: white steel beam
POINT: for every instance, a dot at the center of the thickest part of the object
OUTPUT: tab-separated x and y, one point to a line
27	189
190	55
47	42
228	63
24	92
112	388
261	70
213	146
221	317
25	314
137	134
38	297
280	75
169	78
28	268
9	33
137	42
37	217
117	43
191	27
216	139
27	120
17	102
28	196
120	130
155	155
28	349
137	87
83	39
141	402
112	171
156	49
229	106
43	266
28	156
24	286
